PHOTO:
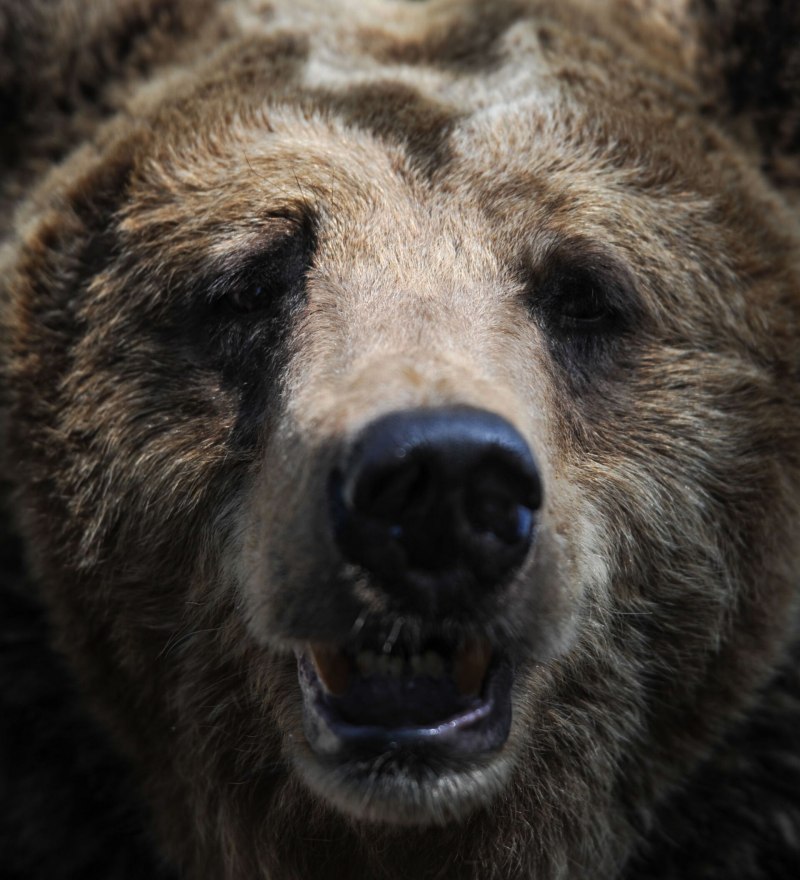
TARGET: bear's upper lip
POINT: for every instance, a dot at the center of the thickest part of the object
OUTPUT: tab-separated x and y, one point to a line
452	698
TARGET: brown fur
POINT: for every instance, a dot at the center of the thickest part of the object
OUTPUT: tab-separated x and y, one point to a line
439	161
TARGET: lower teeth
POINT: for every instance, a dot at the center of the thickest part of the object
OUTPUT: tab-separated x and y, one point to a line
430	663
468	667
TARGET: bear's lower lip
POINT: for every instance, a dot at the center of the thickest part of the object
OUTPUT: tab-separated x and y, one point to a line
453	706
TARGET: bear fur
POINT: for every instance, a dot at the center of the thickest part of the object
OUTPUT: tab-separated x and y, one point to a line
436	196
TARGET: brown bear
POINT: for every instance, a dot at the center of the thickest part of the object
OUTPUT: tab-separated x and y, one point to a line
401	439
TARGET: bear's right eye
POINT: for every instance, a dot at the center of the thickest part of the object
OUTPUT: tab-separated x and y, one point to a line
239	317
253	298
267	283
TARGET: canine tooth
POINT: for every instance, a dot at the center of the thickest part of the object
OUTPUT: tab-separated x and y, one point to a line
417	665
396	665
470	665
333	668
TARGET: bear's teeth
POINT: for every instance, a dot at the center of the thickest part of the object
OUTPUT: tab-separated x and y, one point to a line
333	668
371	663
365	662
415	661
433	664
470	665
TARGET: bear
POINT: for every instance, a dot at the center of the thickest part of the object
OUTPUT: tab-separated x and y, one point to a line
400	460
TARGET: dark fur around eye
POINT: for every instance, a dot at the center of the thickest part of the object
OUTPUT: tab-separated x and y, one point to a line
582	299
240	320
251	306
266	282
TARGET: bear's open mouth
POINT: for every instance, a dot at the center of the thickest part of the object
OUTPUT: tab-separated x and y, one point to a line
452	697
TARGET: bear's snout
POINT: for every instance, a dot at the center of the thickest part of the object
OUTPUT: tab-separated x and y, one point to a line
438	504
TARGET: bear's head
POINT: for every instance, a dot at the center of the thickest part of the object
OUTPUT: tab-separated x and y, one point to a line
402	412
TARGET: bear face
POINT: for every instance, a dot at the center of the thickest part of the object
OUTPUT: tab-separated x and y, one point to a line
511	248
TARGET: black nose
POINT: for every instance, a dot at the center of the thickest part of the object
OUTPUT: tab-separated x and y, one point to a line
437	502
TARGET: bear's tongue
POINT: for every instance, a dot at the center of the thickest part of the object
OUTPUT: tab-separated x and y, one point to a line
401	690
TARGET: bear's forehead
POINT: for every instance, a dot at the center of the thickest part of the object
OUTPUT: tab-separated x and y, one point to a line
451	85
363	117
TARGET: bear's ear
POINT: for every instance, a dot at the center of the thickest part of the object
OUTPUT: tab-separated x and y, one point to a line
748	57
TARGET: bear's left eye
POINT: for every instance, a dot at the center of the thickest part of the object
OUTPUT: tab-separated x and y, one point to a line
578	298
582	305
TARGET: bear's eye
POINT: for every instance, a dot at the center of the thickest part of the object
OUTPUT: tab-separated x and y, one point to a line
581	304
253	297
266	283
580	298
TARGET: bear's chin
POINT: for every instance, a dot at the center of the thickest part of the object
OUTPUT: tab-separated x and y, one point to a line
404	787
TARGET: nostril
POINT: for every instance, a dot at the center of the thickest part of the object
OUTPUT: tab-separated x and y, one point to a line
401	490
496	503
